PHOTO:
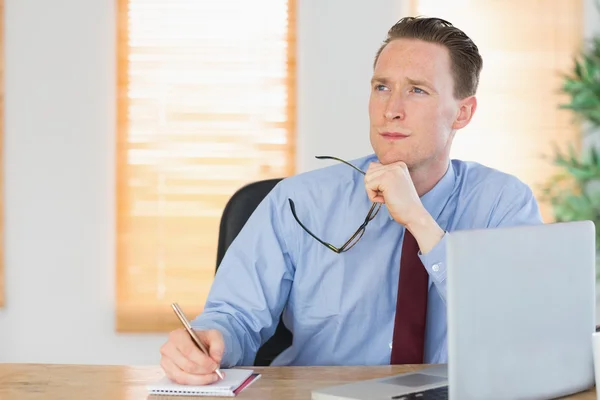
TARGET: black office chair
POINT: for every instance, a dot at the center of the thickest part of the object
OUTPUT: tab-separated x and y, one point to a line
237	211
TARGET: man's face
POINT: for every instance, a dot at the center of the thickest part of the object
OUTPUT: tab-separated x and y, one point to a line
412	110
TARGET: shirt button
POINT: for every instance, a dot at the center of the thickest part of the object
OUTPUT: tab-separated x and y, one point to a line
390	345
436	267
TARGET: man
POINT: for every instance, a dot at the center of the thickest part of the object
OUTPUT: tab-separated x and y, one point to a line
380	298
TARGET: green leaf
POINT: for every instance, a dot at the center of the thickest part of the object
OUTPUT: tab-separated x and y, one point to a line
578	69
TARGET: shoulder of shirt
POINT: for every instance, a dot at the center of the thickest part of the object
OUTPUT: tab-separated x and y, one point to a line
470	176
327	179
473	176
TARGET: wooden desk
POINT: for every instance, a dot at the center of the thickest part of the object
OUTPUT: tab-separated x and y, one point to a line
54	382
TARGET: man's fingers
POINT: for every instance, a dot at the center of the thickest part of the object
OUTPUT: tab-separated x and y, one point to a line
192	353
376	198
374	166
184	363
183	351
172	353
373	183
181	377
375	195
371	176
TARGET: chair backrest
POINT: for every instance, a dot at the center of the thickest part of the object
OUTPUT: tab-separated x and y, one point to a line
237	211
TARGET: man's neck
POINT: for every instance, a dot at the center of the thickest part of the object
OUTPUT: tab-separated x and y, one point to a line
425	177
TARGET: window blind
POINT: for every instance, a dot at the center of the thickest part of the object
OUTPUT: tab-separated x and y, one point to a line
206	101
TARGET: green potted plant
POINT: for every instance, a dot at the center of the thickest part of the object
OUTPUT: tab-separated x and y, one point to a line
583	86
574	192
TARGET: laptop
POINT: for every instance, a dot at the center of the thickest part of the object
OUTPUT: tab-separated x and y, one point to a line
521	313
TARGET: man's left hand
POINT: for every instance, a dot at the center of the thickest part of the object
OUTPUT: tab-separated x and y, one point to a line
391	184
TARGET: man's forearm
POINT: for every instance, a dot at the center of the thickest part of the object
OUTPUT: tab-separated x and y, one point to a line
426	231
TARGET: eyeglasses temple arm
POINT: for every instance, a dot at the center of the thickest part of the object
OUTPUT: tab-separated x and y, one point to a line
340	160
329	245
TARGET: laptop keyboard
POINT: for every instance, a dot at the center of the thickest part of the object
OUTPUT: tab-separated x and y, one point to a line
440	393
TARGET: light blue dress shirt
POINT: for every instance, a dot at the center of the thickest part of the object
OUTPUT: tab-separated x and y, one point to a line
341	307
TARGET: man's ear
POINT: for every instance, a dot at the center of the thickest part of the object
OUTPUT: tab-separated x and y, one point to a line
465	112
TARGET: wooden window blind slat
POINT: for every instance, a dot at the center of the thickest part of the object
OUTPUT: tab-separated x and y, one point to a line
206	104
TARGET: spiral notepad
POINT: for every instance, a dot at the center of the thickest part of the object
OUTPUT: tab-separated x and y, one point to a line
235	381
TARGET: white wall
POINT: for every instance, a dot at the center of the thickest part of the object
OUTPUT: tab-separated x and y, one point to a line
337	44
59	159
59	187
591	18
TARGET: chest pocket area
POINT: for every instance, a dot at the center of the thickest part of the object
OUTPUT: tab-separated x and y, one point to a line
317	289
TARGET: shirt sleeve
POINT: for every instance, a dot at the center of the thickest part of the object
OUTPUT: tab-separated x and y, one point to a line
435	263
515	206
251	286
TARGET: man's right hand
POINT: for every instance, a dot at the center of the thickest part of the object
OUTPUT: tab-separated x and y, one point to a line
184	363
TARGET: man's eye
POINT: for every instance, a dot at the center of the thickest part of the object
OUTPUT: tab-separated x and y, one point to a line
418	90
380	88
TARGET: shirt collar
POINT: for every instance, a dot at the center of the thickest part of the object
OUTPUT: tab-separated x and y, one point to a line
435	200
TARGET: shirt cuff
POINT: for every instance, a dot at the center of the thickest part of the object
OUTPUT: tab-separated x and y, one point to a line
435	261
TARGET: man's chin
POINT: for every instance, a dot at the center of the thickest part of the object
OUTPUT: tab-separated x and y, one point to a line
390	157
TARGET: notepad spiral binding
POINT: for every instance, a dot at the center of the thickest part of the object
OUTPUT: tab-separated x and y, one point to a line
183	392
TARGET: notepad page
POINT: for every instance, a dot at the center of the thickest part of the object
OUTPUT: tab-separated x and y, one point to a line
233	379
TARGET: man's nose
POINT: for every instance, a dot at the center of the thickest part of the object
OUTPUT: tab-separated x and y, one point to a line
394	108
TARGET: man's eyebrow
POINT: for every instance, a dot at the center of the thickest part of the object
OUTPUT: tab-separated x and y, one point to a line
412	81
421	82
380	79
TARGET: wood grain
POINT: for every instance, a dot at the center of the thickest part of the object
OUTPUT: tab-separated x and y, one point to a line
54	382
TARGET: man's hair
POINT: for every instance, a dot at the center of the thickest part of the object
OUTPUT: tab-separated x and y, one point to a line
465	60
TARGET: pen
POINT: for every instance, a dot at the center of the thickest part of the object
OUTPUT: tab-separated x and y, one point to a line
188	328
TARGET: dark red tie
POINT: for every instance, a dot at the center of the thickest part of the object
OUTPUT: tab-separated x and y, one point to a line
411	307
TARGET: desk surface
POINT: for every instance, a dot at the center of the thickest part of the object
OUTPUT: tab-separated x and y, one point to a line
53	382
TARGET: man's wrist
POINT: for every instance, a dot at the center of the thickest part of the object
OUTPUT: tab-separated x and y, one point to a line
426	231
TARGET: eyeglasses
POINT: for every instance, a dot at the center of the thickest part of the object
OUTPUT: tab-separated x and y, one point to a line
361	229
